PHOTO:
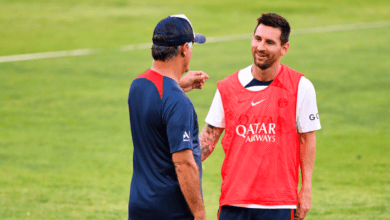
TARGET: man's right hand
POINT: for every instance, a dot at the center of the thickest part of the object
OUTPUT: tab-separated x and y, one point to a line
189	180
193	80
201	218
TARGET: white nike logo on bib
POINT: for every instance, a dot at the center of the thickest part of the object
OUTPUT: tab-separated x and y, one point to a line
255	103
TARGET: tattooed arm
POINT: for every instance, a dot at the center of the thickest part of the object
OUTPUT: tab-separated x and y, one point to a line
208	138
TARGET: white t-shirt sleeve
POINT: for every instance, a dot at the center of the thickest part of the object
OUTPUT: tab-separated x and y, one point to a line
307	111
216	115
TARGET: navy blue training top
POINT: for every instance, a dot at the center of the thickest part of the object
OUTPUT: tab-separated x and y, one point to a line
163	121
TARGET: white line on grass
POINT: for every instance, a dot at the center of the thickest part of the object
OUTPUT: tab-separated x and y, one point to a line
68	53
35	56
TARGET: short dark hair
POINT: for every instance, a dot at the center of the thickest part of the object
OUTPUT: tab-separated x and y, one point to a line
163	53
276	21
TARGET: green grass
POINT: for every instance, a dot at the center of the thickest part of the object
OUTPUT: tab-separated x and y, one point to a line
42	25
65	142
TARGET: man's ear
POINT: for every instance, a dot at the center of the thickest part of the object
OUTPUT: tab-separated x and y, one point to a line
285	48
184	49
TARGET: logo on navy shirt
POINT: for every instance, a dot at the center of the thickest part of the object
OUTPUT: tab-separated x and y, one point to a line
186	136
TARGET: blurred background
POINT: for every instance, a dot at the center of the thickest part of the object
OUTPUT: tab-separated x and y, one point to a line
65	141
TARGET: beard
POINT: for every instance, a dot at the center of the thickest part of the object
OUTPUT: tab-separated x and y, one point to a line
267	63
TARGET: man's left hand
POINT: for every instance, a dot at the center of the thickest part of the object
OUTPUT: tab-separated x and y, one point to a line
304	204
193	80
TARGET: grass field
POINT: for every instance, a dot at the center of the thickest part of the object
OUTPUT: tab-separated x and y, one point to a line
65	142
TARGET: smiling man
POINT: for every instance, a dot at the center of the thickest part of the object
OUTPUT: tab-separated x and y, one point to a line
269	114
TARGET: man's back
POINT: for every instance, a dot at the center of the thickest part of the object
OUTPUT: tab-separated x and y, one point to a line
163	121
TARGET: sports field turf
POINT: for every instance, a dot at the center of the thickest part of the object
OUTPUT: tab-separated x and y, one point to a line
65	142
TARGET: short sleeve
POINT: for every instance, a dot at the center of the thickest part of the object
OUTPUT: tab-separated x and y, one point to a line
307	112
179	118
216	115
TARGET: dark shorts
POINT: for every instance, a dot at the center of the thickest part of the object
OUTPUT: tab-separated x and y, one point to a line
238	213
